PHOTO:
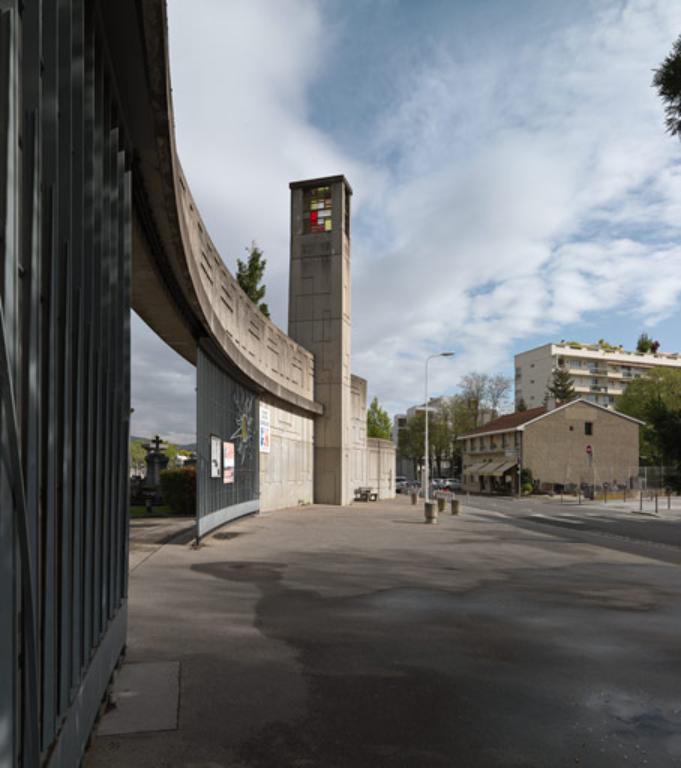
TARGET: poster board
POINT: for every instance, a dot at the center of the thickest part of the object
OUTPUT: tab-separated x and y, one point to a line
227	462
265	434
215	456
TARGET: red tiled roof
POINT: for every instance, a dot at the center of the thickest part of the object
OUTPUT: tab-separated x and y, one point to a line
509	421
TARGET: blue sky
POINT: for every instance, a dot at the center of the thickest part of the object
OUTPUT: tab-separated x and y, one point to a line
513	181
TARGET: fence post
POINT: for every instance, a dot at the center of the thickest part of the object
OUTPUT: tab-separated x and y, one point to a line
640	503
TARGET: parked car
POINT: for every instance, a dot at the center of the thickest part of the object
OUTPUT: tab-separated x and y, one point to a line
400	483
453	484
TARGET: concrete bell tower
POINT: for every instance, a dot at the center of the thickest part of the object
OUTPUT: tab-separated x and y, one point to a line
319	320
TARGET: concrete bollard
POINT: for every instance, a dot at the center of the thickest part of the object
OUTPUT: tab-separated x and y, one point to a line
430	512
440	504
455	506
414	497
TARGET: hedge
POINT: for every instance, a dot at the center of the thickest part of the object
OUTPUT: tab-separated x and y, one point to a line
178	488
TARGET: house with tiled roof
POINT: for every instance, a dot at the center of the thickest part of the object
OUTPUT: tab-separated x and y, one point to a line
575	444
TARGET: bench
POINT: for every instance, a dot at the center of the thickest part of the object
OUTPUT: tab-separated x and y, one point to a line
364	493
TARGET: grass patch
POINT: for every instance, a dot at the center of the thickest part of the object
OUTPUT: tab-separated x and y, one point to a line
141	511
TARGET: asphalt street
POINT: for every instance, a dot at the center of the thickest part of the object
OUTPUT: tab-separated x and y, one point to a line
360	637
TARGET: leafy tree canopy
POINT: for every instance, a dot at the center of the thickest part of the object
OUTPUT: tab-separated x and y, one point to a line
667	80
249	275
378	421
646	344
656	400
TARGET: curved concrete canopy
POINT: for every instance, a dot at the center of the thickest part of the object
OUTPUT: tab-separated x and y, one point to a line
180	286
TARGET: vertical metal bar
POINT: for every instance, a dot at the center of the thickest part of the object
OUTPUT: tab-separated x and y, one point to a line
125	400
65	360
77	335
97	349
89	446
50	279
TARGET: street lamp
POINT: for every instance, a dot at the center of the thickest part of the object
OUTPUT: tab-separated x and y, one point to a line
426	483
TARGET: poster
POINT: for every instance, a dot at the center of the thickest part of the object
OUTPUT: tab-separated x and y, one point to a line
215	456
227	462
265	436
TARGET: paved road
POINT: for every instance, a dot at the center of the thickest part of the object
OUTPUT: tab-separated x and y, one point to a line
612	527
361	638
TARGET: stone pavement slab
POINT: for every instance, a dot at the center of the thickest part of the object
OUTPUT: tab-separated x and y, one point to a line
146	698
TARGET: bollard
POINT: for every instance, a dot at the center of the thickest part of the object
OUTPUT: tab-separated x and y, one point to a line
430	512
455	506
414	497
640	503
440	504
605	495
624	497
669	500
579	495
655	503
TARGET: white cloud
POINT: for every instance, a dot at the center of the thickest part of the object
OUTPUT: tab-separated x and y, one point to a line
511	186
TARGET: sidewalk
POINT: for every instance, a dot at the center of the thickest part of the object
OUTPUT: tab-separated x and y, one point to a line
631	505
148	534
359	637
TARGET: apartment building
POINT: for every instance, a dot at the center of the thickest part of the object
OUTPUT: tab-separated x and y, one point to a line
600	373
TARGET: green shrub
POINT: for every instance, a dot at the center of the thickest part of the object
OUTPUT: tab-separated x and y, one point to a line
178	488
527	487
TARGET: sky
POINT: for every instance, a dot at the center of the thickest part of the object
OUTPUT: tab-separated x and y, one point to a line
513	181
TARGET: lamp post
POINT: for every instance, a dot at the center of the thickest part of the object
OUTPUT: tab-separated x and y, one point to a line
426	475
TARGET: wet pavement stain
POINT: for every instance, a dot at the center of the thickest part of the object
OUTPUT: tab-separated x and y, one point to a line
508	674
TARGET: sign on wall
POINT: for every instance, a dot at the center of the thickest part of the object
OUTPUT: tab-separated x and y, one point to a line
265	436
228	462
215	456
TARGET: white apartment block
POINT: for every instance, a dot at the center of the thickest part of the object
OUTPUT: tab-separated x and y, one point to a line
600	373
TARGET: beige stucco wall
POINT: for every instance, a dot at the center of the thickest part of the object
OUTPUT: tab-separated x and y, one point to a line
380	466
286	471
554	447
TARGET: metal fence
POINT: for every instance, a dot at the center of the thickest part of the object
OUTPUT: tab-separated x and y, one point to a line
227	421
65	212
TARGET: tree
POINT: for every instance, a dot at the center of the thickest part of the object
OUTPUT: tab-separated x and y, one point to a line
562	387
249	274
498	387
667	80
411	441
656	400
474	389
644	343
522	405
378	421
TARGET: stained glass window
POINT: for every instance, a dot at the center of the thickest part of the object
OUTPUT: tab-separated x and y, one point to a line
317	210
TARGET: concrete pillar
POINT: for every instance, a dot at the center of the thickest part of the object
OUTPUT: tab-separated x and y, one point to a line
319	320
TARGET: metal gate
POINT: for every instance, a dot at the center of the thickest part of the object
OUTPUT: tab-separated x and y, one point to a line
65	241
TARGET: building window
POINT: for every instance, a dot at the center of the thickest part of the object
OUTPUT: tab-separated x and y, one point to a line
317	210
588	428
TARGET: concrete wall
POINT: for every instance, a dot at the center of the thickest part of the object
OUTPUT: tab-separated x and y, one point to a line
358	430
554	447
286	471
380	467
250	339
